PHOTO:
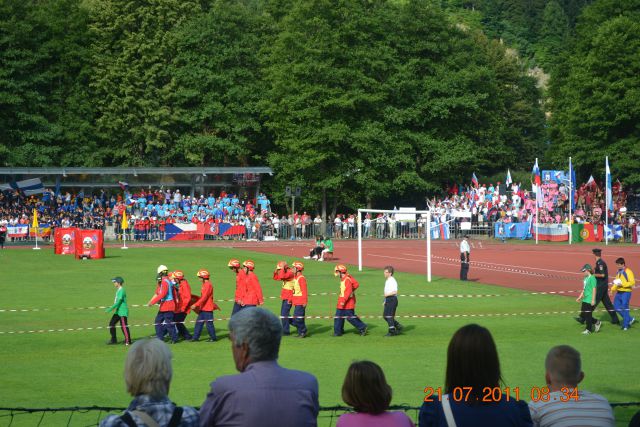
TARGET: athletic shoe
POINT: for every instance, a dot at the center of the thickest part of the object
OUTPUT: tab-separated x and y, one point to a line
337	335
598	326
212	340
307	257
302	335
633	319
363	332
579	320
193	340
586	332
625	329
391	334
112	342
320	260
399	326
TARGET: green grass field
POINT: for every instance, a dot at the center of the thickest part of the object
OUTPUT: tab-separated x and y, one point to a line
76	368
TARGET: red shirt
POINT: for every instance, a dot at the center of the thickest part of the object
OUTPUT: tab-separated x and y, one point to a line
253	294
286	276
184	297
300	295
346	297
162	290
241	286
205	303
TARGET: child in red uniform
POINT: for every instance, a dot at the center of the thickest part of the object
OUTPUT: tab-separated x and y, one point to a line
300	299
206	306
253	291
346	308
183	306
284	274
164	295
241	285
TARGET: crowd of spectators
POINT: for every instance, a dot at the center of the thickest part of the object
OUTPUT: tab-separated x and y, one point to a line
283	397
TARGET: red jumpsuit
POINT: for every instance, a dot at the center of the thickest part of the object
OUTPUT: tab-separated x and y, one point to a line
253	295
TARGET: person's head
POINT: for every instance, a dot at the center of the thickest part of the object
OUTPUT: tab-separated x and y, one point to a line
178	275
563	367
388	271
587	269
255	335
147	369
117	281
465	237
472	360
282	265
234	264
162	270
298	267
203	274
365	388
620	263
597	253
340	270
248	265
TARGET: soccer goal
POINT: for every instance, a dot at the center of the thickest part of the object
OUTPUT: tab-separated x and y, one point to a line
403	215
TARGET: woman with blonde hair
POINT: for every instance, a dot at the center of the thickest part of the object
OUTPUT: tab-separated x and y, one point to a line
147	374
365	389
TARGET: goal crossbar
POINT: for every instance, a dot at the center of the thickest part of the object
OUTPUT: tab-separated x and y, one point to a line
396	212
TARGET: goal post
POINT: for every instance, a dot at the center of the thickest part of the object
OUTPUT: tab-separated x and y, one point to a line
404	213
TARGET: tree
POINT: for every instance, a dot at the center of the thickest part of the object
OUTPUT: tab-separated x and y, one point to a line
554	33
131	81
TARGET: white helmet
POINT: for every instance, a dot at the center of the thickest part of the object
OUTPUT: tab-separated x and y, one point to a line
162	268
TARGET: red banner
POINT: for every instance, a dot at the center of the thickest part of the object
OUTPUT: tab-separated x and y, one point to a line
89	244
64	241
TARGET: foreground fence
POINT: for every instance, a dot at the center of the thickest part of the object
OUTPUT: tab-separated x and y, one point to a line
91	415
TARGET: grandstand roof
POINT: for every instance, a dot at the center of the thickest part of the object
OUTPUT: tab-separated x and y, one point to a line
135	171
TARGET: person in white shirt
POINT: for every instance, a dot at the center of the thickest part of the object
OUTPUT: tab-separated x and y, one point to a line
567	406
464	258
391	302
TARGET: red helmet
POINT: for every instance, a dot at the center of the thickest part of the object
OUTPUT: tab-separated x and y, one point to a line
249	264
340	268
203	274
178	274
298	265
281	265
234	263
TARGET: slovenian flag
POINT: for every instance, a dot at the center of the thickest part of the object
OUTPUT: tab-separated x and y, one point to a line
608	180
474	179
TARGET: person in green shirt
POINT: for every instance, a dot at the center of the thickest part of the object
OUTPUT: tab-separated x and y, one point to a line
588	298
328	247
121	312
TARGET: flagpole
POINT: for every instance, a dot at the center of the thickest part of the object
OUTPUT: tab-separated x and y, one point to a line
36	248
606	202
570	201
124	239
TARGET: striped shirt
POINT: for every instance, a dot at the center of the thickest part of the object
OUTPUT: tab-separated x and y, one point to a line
589	410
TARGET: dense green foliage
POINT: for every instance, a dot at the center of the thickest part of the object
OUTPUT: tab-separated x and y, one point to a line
39	363
356	101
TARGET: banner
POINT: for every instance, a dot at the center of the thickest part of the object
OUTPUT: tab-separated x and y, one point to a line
587	233
552	232
64	241
29	186
555	176
17	230
440	231
89	244
44	230
613	232
515	230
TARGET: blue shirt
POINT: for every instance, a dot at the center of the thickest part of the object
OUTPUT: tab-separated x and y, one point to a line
265	395
514	413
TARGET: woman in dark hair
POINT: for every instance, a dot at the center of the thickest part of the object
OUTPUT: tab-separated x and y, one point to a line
473	395
366	390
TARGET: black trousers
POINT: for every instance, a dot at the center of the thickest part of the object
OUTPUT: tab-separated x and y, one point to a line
317	251
602	295
464	269
586	313
123	324
389	313
182	329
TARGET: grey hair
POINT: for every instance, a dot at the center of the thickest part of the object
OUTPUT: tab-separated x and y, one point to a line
147	369
564	365
260	329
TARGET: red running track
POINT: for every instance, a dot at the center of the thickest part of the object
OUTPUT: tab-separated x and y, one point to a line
539	268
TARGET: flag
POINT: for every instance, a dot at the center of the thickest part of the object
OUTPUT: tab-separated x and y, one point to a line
123	185
608	179
34	224
613	232
125	221
536	184
591	181
474	179
508	181
29	186
572	185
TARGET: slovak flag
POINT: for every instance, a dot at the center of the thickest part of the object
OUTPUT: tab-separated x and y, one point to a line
508	181
608	180
123	185
474	179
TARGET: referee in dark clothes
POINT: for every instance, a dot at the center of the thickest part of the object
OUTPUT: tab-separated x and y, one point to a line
602	286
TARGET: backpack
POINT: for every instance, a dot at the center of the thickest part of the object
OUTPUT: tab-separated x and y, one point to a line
175	420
